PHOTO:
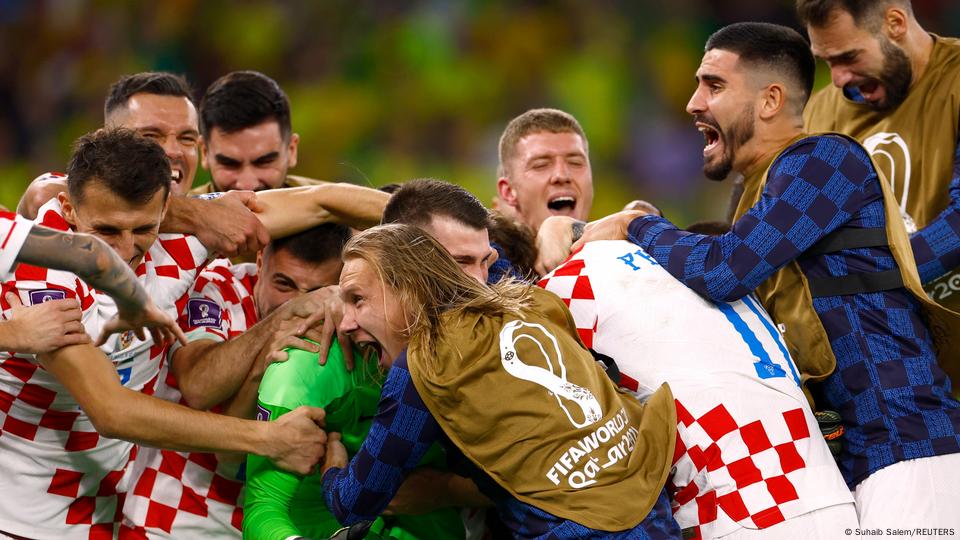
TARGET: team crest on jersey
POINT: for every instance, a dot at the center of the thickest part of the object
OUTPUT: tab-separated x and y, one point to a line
126	339
203	313
45	295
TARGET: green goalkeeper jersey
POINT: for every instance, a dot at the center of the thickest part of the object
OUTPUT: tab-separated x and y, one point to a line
280	505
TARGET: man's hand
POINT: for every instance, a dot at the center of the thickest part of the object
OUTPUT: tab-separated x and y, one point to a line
45	327
296	442
229	226
612	227
322	305
644	206
38	193
554	238
163	328
336	454
287	336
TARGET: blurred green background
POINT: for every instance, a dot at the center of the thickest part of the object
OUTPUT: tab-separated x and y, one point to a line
392	90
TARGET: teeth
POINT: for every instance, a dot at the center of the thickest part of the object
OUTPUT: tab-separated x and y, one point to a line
176	175
563	200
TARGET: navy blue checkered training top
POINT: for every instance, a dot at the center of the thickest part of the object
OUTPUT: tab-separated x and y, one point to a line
894	399
399	436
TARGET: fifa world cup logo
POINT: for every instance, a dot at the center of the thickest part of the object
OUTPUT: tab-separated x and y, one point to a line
204	311
892	156
553	377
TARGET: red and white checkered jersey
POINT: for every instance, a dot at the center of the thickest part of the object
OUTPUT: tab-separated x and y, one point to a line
749	451
13	233
59	478
192	495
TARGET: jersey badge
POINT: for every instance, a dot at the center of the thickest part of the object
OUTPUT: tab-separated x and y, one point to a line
203	313
45	295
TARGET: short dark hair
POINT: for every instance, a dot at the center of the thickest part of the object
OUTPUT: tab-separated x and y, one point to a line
773	47
518	242
316	244
243	99
865	13
418	201
130	166
160	83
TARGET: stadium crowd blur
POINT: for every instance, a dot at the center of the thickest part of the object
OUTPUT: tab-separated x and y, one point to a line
420	88
322	340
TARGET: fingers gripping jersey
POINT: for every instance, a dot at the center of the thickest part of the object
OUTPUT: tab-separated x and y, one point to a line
749	453
13	233
59	478
192	494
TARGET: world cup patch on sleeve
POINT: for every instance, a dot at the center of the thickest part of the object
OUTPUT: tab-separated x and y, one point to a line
45	295
262	413
202	312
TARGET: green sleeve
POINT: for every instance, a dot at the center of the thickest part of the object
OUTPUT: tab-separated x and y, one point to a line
270	492
279	504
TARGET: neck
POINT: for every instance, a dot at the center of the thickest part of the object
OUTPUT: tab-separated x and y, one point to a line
918	44
764	145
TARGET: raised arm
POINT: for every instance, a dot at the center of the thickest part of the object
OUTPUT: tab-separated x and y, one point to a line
936	247
295	441
99	266
41	189
291	210
793	213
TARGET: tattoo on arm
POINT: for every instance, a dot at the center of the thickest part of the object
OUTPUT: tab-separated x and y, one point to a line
577	228
88	257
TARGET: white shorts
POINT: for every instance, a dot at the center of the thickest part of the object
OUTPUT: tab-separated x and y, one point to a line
919	495
827	523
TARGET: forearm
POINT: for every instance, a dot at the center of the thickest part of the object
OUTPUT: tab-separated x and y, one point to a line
291	210
40	190
88	257
244	403
209	373
363	489
695	260
936	247
183	215
118	412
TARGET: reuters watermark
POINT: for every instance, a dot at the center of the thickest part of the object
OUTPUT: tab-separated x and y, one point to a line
918	532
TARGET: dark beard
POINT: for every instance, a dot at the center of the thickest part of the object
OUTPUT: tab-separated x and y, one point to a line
737	135
896	77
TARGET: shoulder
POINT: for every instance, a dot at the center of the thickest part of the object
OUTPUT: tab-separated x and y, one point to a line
832	148
182	250
51	215
301	380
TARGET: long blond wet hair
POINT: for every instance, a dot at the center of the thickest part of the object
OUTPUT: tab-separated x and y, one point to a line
427	282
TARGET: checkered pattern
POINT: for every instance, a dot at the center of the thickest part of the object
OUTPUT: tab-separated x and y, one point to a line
936	247
751	463
13	233
192	495
59	478
895	400
744	458
400	435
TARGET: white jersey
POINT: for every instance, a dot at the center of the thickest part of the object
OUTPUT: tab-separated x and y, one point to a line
60	479
192	494
749	450
13	233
